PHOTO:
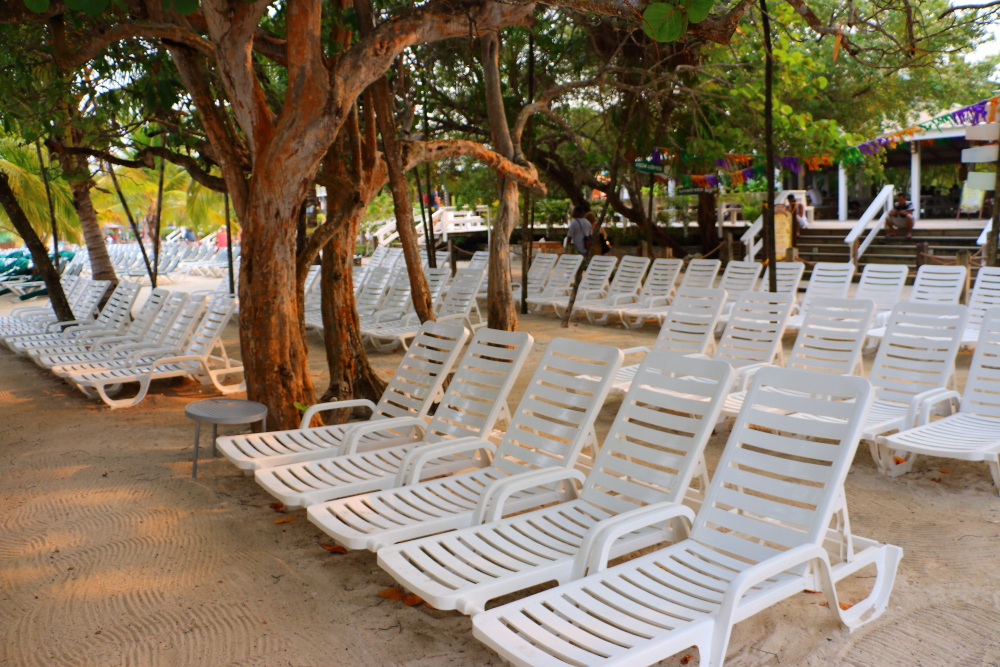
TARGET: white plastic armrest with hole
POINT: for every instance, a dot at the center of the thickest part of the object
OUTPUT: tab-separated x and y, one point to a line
154	355
596	546
388	314
619	299
413	463
744	375
491	502
930	402
20	312
55	327
161	361
635	350
313	410
590	294
916	402
352	437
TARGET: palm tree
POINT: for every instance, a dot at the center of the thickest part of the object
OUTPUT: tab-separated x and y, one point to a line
19	160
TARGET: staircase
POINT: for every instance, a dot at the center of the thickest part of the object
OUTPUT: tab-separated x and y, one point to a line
827	245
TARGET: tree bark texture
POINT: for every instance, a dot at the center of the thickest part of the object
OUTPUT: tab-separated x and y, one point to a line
502	314
77	171
39	255
707	223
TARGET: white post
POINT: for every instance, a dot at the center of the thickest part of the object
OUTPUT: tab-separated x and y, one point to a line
915	178
841	193
672	187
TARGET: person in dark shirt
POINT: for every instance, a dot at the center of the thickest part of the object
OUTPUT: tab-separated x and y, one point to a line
901	217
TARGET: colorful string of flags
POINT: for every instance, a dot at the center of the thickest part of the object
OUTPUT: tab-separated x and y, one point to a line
738	168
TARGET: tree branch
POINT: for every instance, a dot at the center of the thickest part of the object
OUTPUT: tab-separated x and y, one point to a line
133	29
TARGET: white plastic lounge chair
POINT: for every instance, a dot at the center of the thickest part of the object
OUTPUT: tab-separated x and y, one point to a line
970	434
700	274
830	341
410	394
985	295
593	285
170	328
112	320
883	284
459	305
475	400
657	290
370	297
933	284
196	360
559	282
653	453
623	289
915	361
73	287
84	308
828	279
538	274
688	328
757	540
549	428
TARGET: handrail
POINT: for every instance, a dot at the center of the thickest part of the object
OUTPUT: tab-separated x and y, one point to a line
884	202
749	239
985	233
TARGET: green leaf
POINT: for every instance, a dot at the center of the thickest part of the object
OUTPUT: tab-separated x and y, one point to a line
698	10
785	109
96	7
300	407
662	22
37	5
185	6
822	82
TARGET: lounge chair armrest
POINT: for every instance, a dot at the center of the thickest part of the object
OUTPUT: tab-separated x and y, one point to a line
619	299
388	314
698	355
176	359
23	310
764	570
414	462
490	505
931	400
635	350
596	547
916	402
590	294
313	410
352	437
744	375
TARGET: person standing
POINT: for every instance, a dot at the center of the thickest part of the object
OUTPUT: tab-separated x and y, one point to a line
222	238
579	231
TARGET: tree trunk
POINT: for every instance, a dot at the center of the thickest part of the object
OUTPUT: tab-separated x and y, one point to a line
275	357
77	171
501	312
707	222
39	255
351	375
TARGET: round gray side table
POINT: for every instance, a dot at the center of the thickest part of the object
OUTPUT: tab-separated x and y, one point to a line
217	411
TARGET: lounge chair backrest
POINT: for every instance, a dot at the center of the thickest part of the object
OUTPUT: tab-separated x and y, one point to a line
662	277
184	321
371	294
689	325
658	437
740	277
756	325
393	257
398	295
150	307
479	259
598	274
939	284
86	304
985	295
119	305
560	404
461	294
918	350
755	516
832	336
789	276
378	255
563	274
478	391
828	279
628	277
214	319
437	281
422	371
538	273
701	273
882	283
980	395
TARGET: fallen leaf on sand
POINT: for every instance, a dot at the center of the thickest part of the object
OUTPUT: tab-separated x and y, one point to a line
935	479
392	594
942	470
263	622
335	548
845	606
809	591
685	660
411	600
898	460
277	507
287	519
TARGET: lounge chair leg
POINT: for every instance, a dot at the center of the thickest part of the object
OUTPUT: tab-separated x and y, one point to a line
197	434
995	471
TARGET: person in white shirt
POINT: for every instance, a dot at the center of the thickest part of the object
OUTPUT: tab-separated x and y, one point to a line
579	231
798	212
815	196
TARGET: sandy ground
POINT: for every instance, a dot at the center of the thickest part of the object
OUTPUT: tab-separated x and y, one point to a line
110	554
